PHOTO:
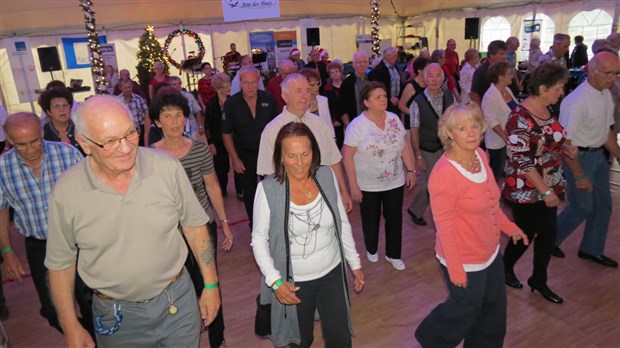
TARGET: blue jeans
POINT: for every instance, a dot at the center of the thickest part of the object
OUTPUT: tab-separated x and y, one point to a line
594	207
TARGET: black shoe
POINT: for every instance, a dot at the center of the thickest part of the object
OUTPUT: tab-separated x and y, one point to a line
416	220
4	313
512	281
602	260
557	252
546	293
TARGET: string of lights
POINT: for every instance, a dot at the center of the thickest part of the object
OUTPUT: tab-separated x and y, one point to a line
150	51
97	64
374	28
193	35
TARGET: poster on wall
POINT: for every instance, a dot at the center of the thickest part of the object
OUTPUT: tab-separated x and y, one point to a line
242	10
108	54
531	29
285	41
264	41
77	54
23	68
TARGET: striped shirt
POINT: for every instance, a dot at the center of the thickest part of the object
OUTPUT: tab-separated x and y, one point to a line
27	194
197	163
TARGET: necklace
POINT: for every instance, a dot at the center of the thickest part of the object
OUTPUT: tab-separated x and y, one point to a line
309	194
311	218
473	165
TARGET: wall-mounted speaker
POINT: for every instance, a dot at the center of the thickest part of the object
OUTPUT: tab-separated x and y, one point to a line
48	58
472	28
313	38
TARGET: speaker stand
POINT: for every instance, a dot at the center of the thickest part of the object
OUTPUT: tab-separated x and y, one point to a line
52	74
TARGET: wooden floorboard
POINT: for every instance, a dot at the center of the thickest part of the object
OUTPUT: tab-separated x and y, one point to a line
393	303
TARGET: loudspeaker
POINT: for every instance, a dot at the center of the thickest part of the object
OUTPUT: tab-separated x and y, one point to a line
312	37
48	58
472	28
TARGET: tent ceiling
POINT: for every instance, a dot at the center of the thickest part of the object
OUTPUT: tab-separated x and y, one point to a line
62	16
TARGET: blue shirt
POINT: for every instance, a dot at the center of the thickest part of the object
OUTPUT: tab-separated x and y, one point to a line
27	194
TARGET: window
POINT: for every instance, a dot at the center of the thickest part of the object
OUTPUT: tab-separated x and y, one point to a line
592	25
495	28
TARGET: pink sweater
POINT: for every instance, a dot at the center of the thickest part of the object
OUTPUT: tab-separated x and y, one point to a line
467	216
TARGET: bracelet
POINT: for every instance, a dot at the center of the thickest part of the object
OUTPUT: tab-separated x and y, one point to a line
224	221
277	285
212	285
546	193
6	250
412	171
419	157
583	177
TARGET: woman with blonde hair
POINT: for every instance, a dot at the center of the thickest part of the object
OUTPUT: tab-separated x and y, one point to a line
465	204
472	61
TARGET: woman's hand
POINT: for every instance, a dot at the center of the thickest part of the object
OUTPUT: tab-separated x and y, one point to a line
286	294
519	235
356	193
359	279
551	200
228	237
213	149
411	179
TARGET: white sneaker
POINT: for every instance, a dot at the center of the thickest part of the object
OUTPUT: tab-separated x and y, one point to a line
398	264
372	257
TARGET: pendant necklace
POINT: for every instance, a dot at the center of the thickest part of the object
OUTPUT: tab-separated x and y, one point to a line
474	165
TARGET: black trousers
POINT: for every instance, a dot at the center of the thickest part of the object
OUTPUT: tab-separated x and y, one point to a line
476	314
249	179
35	253
216	328
326	295
539	223
221	162
392	203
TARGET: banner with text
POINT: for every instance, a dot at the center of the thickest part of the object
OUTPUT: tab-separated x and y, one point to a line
77	54
241	10
23	68
285	42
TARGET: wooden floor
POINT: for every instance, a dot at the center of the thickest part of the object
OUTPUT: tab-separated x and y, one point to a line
393	303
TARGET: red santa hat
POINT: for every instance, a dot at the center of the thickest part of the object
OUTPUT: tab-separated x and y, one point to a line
295	51
322	53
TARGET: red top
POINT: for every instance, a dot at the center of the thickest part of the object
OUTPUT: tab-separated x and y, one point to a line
452	63
273	87
205	90
467	216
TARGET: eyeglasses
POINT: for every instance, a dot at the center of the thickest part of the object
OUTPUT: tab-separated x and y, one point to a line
609	74
113	144
61	106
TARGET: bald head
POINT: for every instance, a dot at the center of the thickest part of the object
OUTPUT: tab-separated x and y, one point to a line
604	68
614	40
96	112
286	67
22	120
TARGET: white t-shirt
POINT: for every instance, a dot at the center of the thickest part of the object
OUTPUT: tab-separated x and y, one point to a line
587	114
321	249
378	155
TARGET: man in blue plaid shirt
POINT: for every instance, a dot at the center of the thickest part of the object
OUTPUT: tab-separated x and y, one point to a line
27	174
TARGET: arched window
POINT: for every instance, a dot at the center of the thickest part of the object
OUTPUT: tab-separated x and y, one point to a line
543	28
592	25
495	28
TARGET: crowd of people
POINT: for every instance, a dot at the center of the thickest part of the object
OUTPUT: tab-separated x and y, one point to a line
466	136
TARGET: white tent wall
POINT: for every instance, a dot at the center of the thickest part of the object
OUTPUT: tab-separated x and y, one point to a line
337	36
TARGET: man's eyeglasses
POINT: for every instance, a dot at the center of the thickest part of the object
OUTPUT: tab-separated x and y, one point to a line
609	74
113	144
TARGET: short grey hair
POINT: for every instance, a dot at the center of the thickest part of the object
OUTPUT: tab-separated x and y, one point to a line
290	79
535	41
247	68
389	50
78	115
360	54
426	71
559	37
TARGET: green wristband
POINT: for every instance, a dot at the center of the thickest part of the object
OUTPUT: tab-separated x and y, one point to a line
545	194
277	285
6	250
212	285
580	178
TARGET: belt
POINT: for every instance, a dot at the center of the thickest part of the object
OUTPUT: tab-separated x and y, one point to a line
108	298
589	149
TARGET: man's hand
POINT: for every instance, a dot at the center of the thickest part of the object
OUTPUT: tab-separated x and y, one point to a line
78	337
12	266
238	165
209	304
584	184
213	149
394	100
228	237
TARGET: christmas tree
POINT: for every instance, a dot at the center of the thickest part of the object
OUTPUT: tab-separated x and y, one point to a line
149	52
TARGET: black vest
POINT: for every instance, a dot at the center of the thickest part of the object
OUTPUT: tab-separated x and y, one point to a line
429	120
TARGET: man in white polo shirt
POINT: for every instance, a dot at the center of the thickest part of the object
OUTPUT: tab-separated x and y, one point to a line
296	95
587	115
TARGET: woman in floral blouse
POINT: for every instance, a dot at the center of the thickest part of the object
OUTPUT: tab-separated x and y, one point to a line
375	147
534	174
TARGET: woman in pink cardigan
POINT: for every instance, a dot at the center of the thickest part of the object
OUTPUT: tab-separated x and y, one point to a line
465	204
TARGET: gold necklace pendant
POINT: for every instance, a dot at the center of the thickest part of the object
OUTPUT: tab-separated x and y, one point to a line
309	194
173	309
